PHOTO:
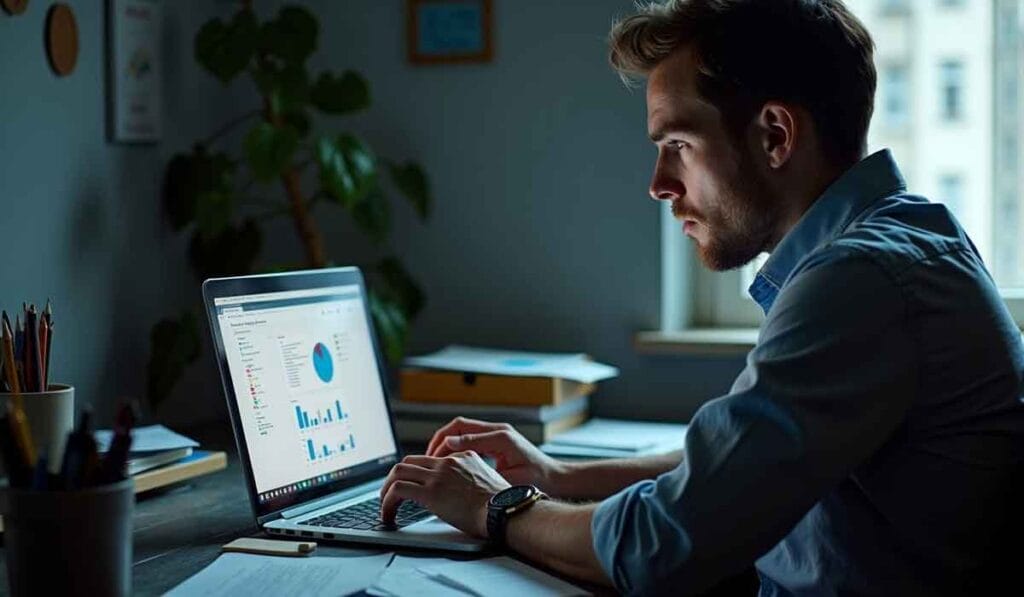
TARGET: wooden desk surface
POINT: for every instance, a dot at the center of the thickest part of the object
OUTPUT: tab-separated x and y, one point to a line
179	531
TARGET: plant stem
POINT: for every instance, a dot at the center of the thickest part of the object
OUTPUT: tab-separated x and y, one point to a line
217	134
308	232
291	178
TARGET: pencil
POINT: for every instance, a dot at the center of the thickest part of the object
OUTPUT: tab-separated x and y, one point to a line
48	314
44	336
32	367
15	406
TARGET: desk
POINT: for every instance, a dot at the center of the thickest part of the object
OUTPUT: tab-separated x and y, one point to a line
179	531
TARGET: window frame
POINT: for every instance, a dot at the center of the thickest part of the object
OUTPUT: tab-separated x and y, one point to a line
696	299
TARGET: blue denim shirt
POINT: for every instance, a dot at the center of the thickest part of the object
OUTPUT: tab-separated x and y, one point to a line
870	444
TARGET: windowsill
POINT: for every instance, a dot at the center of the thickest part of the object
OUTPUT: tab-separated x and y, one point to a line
697	341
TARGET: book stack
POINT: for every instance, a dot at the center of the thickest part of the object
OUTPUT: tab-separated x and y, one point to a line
539	394
160	457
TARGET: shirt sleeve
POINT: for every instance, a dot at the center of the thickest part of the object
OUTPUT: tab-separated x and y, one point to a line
831	378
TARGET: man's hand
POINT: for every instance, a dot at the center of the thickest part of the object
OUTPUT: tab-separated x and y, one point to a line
456	488
519	461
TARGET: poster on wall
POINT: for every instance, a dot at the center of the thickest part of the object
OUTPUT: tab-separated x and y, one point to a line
133	35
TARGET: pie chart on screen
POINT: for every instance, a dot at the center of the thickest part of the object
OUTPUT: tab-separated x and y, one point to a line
322	363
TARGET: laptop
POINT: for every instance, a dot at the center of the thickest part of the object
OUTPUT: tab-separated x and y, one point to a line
308	397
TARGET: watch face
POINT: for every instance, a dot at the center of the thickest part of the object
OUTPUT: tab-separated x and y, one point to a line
512	496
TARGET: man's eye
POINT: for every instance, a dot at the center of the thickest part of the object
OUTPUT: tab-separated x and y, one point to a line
678	145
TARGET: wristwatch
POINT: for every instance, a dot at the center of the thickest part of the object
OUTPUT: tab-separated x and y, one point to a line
505	504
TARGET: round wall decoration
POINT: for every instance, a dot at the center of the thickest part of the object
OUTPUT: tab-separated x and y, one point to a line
14	7
61	39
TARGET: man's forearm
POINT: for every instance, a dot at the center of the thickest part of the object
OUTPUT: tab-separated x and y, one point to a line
598	479
557	535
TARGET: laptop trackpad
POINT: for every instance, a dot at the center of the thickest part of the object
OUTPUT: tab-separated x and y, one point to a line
435	528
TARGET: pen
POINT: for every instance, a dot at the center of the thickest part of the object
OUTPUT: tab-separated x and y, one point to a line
40	478
114	463
80	458
14	460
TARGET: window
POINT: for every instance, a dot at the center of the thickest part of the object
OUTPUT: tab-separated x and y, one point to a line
951	82
894	88
951	193
894	7
935	66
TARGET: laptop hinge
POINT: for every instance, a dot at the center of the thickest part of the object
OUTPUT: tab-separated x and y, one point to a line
334	498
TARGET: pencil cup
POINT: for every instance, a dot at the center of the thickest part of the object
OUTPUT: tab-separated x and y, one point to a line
51	416
69	542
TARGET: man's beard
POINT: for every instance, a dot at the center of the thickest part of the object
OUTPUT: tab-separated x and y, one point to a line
742	227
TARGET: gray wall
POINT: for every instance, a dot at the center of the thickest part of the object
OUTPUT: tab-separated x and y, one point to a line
542	235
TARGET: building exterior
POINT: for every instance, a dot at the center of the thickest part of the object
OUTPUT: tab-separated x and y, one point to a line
948	105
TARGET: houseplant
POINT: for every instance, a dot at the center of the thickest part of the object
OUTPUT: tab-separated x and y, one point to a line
215	194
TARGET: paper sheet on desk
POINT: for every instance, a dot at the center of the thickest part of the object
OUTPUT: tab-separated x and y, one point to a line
493	577
151	438
611	437
234	574
403	578
575	367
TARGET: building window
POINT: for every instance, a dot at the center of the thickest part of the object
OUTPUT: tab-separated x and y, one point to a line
975	168
951	89
895	90
951	193
894	7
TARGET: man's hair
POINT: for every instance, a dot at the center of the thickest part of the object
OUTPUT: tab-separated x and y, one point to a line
811	53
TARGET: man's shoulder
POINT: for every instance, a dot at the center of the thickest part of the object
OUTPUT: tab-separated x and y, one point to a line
896	233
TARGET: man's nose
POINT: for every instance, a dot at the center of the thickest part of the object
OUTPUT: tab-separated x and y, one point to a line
665	187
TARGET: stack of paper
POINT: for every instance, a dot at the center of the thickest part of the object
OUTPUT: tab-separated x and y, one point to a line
246	574
496	577
611	438
573	366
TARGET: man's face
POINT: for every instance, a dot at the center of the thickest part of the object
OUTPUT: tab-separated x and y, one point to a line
710	177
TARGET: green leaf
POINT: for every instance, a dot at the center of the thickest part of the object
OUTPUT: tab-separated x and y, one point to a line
174	343
396	284
269	150
348	171
340	95
232	252
373	216
213	212
392	327
292	36
412	181
190	175
226	49
286	89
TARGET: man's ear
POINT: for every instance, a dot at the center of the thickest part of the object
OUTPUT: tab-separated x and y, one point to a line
777	128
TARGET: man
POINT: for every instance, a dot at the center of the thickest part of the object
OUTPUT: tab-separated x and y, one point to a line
872	442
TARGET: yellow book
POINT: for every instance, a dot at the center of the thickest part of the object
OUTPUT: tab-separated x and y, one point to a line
431	385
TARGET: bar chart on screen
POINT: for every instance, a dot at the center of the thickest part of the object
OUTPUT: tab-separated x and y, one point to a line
320	417
316	451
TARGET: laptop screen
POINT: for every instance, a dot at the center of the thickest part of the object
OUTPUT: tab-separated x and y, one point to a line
308	391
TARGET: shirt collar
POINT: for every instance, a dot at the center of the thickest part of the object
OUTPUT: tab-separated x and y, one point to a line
870	179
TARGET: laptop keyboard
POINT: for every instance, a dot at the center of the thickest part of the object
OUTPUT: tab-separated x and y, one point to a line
365	516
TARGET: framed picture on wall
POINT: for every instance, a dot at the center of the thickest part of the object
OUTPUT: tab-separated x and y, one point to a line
134	70
449	31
